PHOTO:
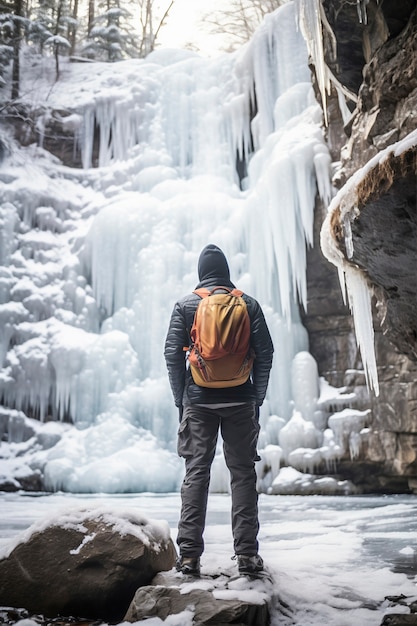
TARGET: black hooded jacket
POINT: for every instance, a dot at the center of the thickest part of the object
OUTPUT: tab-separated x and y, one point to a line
213	271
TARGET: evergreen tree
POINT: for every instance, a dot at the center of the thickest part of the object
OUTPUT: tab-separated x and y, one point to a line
110	37
6	39
112	31
113	34
58	40
42	23
12	25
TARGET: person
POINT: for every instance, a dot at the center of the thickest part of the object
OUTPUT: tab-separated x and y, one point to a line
203	412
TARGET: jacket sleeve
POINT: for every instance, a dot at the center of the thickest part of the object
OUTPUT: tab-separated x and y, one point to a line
262	345
176	340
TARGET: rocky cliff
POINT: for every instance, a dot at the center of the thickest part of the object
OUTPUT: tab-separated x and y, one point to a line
372	51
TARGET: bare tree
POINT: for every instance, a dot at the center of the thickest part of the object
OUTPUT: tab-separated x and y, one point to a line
151	23
239	19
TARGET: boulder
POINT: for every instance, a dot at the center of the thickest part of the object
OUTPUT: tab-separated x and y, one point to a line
85	563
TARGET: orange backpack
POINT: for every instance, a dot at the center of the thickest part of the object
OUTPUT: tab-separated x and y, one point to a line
220	354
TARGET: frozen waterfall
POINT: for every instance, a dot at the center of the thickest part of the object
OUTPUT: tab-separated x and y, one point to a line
94	259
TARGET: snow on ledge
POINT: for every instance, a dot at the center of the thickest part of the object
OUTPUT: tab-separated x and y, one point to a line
342	211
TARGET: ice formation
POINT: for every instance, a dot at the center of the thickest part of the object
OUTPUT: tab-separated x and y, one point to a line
93	260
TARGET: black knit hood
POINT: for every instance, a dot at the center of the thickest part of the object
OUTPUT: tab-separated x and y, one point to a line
213	269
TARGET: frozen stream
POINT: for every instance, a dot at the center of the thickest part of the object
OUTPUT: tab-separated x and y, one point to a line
335	559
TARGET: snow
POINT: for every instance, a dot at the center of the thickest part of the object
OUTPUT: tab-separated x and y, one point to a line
125	522
94	258
333	560
57	40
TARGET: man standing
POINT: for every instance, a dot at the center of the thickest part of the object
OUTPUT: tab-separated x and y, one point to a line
202	411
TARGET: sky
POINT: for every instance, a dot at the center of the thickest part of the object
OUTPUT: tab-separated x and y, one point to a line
184	25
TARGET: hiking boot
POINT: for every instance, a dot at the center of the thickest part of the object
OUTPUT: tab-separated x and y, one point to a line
188	565
249	564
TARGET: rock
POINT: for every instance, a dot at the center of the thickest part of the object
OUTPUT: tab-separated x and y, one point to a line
56	132
218	604
399	620
390	261
164	601
374	59
85	563
385	233
9	484
387	98
15	425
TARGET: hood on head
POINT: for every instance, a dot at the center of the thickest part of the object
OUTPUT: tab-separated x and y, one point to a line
212	264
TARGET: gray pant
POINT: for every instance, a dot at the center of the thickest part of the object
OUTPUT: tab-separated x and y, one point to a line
197	438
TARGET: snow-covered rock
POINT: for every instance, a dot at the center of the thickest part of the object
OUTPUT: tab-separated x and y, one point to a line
86	562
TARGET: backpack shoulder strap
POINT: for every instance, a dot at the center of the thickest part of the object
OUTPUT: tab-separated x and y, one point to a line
202	292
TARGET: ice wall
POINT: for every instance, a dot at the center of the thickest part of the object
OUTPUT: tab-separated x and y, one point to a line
95	260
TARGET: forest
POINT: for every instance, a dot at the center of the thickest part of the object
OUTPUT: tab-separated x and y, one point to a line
106	30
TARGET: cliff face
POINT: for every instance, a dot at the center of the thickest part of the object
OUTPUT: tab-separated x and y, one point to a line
374	56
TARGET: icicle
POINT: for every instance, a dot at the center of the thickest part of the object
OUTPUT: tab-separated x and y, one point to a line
342	282
87	140
312	18
353	281
345	425
322	163
362	13
360	305
9	220
348	236
311	27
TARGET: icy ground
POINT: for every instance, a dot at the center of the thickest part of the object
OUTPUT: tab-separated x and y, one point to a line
334	559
